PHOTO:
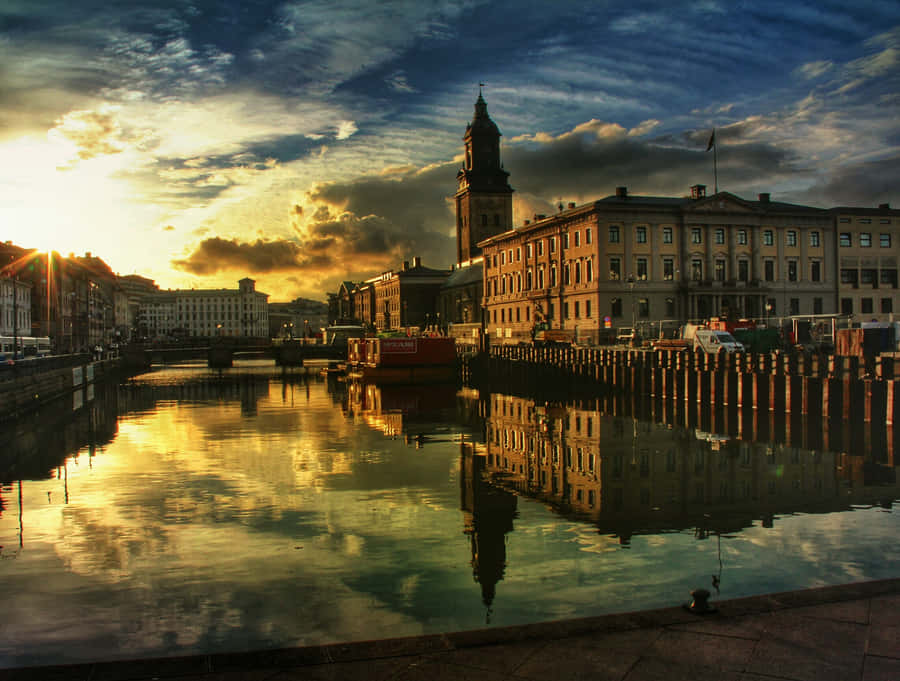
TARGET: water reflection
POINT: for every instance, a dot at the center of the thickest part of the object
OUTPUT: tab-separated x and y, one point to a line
628	476
188	511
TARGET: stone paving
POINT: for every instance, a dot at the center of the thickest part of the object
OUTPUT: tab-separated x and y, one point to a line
842	633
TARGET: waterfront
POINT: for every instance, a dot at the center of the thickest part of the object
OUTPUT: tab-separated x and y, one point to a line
196	512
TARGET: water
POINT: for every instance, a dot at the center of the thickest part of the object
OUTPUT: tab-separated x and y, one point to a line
189	512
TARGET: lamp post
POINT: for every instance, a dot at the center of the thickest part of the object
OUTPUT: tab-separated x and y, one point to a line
631	289
768	312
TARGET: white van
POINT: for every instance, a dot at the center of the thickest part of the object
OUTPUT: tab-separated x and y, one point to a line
716	341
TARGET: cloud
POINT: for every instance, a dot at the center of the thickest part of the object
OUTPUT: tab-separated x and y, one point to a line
90	133
814	69
216	254
345	129
859	184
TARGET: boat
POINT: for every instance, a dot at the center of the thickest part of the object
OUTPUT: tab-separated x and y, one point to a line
404	359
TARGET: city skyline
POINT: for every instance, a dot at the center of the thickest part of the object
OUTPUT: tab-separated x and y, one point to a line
306	143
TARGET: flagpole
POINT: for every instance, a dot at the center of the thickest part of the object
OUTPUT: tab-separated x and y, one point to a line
716	166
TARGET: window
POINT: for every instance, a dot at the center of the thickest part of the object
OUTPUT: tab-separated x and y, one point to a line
720	236
884	240
643	308
792	270
670	307
844	240
587	235
577	239
795	306
849	276
540	247
889	278
640	235
528	280
589	270
846	305
577	266
768	238
540	278
614	234
566	310
667	235
869	276
815	271
814	239
865	221
529	250
484	220
696	236
743	270
865	240
668	269
616	307
502	257
552	276
567	274
887	305
720	270
642	269
565	240
742	237
771	306
769	269
615	269
817	306
865	306
587	308
791	238
696	269
553	244
496	220
845	219
577	308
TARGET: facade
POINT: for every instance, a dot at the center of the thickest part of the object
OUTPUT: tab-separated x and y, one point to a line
299	318
639	261
364	303
15	307
867	261
207	313
407	298
459	301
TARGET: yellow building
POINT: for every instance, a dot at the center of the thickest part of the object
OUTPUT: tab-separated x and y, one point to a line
867	252
636	261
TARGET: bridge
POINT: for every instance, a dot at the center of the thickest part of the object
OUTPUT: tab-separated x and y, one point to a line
222	355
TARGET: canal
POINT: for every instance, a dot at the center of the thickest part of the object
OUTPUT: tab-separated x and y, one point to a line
192	511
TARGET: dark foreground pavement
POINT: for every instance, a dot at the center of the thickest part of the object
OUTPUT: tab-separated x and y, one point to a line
845	633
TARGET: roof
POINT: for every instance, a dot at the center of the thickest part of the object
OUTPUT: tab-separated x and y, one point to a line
465	276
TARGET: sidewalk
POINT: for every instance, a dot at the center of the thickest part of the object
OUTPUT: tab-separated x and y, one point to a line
842	633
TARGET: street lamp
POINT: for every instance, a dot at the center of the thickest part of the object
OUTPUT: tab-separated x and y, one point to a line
768	312
631	289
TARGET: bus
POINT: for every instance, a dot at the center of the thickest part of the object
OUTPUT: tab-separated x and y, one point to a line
26	346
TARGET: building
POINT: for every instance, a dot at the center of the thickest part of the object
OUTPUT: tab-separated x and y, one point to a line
299	318
408	297
15	307
637	261
206	313
867	260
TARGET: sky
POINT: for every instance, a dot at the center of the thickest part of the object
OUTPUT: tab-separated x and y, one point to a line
305	143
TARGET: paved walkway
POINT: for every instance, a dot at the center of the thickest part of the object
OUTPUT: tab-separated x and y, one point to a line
843	633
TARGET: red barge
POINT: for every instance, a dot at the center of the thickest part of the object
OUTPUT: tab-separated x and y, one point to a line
403	359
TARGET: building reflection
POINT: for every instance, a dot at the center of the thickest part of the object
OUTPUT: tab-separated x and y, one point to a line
488	513
635	477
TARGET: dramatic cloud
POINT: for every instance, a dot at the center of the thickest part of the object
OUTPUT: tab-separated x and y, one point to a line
215	254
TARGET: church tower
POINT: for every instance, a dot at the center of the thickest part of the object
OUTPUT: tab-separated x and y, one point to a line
483	195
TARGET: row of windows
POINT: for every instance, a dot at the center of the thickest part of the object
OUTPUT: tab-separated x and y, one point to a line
866	306
573	273
864	241
642	270
537	246
867	221
768	236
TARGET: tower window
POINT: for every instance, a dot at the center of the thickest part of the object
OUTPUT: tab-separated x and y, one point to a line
484	220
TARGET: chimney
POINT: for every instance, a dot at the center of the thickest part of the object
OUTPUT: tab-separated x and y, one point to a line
417	261
621	192
405	266
571	204
764	197
698	191
87	254
884	206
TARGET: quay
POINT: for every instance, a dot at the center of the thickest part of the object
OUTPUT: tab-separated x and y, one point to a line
834	633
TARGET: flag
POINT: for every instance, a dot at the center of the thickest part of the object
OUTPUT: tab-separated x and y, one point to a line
712	140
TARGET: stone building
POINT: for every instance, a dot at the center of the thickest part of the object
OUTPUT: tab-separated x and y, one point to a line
407	298
867	253
207	313
630	260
